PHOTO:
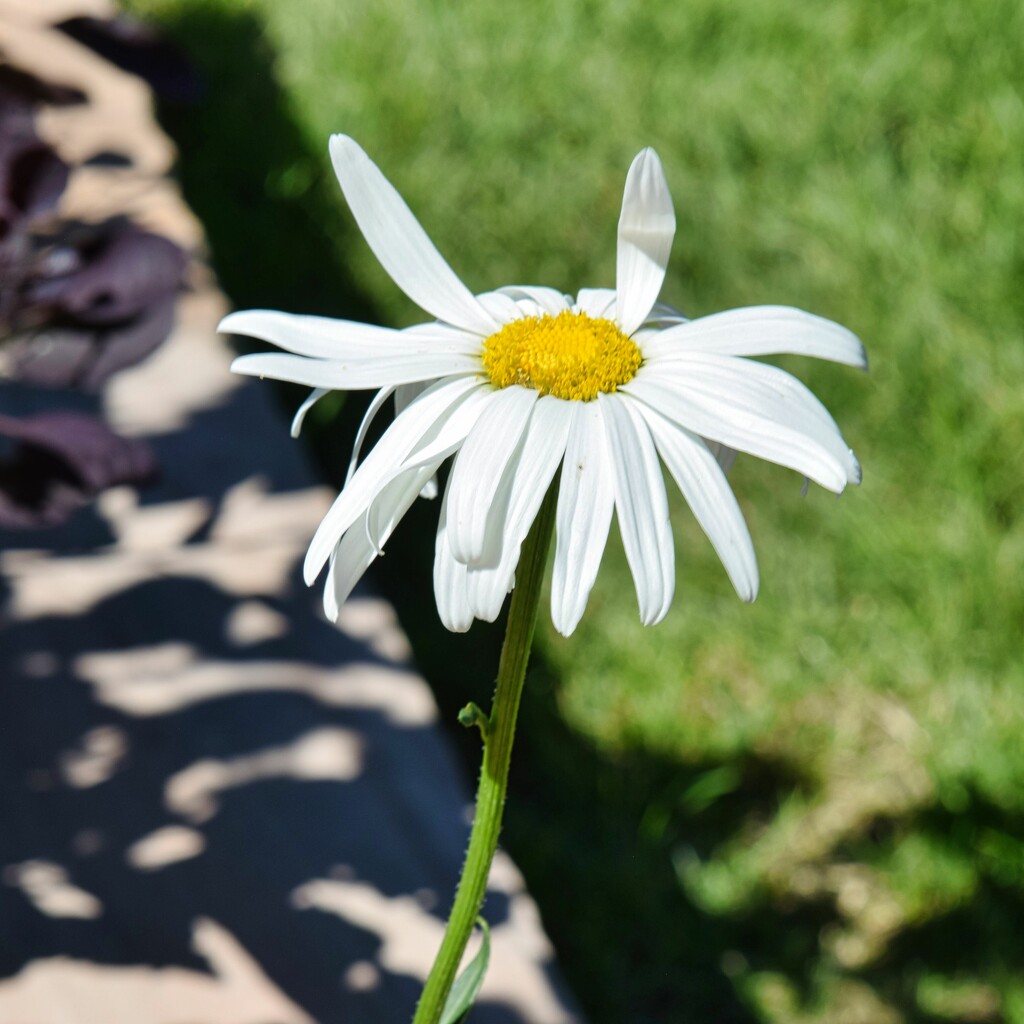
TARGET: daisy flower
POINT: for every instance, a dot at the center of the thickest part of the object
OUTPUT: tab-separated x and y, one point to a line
520	382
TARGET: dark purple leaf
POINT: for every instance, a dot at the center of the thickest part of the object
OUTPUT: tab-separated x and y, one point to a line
32	176
114	277
85	358
124	345
59	462
37	179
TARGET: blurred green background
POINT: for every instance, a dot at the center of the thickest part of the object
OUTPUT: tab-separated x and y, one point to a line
807	809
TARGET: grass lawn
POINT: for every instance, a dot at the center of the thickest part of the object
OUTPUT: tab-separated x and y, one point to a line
807	809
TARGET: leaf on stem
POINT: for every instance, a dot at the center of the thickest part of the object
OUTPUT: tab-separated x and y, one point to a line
467	984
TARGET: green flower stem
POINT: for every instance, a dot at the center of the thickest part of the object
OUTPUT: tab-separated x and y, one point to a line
498	735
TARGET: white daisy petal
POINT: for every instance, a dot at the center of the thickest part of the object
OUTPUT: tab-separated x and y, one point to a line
318	336
764	390
586	498
400	243
331	606
449	434
409	393
724	455
647	226
405	394
763	331
527	307
443	337
364	427
641	506
742	429
350	559
394	501
523	490
431	410
356	375
300	414
501	306
388	508
480	465
664	315
443	439
778	390
321	337
596	302
450	586
360	545
487	588
707	492
550	300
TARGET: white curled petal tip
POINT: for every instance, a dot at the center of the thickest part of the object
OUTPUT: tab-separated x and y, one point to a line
224	327
856	472
809	448
330	600
241	320
763	390
300	414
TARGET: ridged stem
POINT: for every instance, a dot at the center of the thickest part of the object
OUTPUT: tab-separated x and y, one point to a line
498	731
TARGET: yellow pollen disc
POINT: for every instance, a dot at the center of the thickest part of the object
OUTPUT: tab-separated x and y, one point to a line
571	356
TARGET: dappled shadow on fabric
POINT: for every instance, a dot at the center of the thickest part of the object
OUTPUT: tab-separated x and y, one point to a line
193	749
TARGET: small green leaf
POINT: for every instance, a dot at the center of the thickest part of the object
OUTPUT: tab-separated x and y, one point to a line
467	984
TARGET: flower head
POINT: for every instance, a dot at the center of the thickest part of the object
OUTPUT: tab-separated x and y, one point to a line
521	381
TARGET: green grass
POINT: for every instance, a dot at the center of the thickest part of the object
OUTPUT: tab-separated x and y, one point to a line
808	809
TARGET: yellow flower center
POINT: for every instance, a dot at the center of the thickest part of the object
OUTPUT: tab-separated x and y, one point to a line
571	356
